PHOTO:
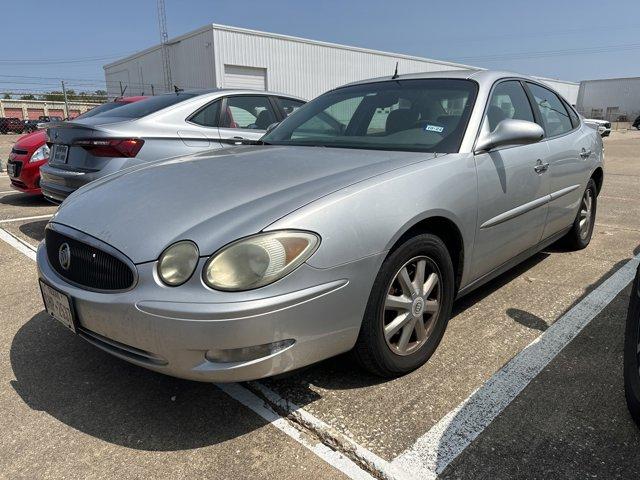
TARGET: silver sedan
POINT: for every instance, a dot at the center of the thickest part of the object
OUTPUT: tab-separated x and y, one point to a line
95	145
353	227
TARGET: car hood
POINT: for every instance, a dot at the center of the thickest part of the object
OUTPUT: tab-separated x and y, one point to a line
215	197
32	141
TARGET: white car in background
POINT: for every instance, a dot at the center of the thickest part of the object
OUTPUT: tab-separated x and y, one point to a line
603	126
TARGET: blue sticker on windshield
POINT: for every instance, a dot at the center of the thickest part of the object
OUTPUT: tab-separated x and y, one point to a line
434	128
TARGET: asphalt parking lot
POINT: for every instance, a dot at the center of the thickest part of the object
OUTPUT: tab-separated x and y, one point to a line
527	382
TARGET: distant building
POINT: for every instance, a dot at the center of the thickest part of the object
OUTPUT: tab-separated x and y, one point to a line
218	56
613	99
33	109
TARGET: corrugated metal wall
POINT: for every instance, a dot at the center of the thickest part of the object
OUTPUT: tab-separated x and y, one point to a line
307	69
296	66
610	98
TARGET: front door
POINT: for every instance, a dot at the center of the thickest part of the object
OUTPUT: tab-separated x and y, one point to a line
513	187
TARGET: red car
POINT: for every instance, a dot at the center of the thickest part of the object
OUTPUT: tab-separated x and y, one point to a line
30	152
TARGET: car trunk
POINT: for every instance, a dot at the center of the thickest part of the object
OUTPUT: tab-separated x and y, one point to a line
68	134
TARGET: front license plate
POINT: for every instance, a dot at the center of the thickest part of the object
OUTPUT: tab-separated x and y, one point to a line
58	305
60	153
11	169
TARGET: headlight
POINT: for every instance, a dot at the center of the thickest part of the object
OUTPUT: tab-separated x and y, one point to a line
41	153
178	262
259	260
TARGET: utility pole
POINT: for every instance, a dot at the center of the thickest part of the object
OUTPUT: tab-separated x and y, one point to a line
66	103
164	39
121	90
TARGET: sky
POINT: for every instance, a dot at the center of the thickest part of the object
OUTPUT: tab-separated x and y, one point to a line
565	39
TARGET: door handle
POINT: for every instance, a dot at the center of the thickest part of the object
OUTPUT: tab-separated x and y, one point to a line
541	167
239	140
585	153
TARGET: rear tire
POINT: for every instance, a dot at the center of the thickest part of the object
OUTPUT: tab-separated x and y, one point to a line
582	229
408	308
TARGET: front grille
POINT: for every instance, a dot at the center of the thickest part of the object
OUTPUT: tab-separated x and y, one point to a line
89	266
17	151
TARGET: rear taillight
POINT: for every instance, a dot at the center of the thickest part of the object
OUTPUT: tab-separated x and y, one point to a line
115	147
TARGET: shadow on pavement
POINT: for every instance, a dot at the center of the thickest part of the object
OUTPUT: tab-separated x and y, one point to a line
24	200
97	394
34	230
527	319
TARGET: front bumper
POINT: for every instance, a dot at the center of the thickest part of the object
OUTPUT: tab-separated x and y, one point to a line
170	331
28	178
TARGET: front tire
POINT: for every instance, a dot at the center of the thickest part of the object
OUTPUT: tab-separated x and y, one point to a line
582	229
631	356
408	308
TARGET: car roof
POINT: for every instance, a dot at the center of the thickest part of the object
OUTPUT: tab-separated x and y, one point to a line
481	76
234	91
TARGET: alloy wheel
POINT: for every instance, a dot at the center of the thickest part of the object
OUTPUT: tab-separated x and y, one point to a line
585	213
412	305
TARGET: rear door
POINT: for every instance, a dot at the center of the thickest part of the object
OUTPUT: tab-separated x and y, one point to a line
245	117
202	127
569	152
512	189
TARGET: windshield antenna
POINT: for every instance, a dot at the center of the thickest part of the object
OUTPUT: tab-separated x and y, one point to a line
395	74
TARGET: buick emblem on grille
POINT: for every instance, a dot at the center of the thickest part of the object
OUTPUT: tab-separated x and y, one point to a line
64	256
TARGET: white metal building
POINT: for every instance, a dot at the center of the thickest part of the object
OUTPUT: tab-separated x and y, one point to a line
230	57
610	99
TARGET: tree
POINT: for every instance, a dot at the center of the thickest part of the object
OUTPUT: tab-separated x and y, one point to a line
6	96
27	97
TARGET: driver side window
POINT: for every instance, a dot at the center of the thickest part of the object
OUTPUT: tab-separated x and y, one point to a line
508	100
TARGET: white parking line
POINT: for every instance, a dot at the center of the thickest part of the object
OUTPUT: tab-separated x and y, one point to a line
18	244
24	219
382	468
236	391
332	457
432	452
8	191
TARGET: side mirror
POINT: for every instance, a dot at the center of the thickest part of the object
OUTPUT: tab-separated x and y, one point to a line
510	132
272	126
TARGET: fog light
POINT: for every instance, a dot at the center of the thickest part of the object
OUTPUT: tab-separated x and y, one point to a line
246	354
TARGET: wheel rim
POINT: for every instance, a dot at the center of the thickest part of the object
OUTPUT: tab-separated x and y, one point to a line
412	306
585	213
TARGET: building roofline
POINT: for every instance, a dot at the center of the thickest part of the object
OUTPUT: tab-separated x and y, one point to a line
215	26
609	79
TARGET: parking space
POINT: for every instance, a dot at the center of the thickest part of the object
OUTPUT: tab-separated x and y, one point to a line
70	407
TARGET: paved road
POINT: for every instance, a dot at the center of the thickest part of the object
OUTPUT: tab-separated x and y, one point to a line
70	408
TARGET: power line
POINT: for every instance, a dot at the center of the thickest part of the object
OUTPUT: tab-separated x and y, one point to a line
60	61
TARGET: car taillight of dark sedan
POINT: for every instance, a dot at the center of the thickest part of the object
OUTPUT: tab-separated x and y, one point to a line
115	147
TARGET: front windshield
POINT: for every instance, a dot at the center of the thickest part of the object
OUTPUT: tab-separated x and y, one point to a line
428	115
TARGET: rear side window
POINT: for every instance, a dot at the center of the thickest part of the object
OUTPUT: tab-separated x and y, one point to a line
289	105
149	105
105	107
575	120
207	116
555	117
508	100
